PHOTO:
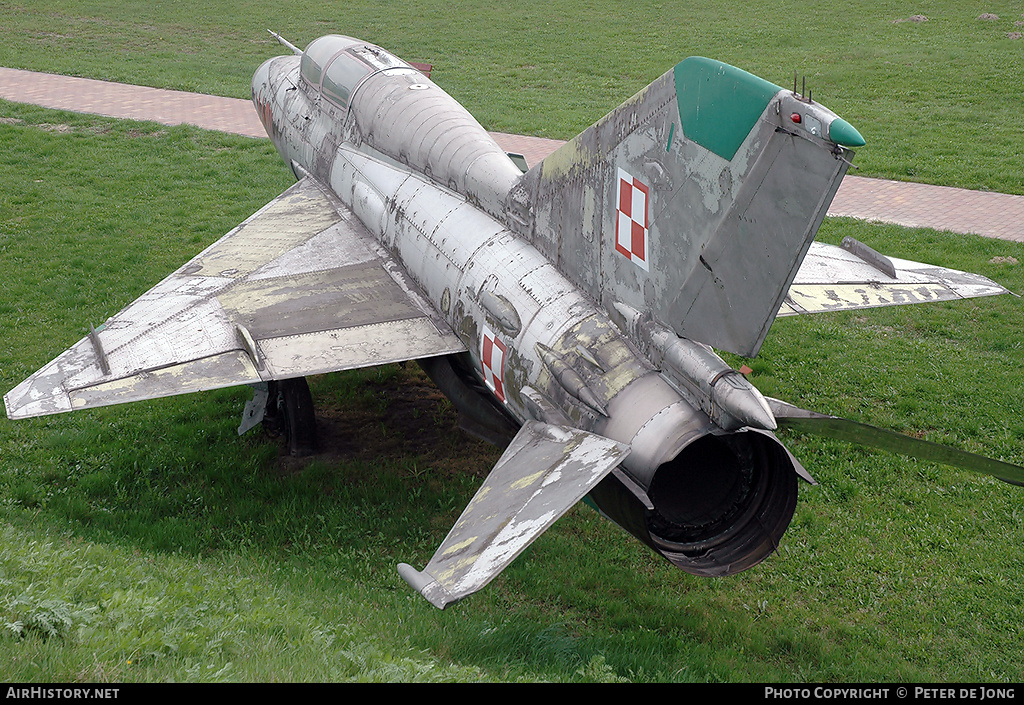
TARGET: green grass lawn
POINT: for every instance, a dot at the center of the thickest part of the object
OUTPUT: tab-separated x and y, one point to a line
149	542
938	101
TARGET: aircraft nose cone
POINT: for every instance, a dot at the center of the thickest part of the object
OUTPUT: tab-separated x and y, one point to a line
261	77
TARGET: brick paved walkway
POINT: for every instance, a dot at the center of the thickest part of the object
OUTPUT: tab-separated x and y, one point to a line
915	205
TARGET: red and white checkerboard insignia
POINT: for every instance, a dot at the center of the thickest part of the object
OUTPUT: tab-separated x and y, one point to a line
631	219
492	359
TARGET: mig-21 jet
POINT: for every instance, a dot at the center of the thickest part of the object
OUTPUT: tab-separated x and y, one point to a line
570	311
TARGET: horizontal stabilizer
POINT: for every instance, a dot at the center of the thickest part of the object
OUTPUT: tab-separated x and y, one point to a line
542	474
817	424
855	276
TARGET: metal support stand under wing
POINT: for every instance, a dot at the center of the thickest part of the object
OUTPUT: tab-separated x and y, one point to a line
541	475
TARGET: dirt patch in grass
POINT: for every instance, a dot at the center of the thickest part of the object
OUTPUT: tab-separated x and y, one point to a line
398	419
61	128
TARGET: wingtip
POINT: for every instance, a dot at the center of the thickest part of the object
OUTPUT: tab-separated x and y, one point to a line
38	395
426	585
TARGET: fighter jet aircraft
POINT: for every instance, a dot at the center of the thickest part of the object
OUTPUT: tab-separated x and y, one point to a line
571	313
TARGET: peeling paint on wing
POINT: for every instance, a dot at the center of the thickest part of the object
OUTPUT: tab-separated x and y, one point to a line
831	297
456	547
332	247
210	373
833	279
527	480
541	475
281	226
306	312
502	550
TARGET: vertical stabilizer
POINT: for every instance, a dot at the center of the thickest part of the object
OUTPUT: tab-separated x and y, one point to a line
695	200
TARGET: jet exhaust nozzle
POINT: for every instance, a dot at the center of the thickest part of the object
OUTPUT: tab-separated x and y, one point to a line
711	501
719	507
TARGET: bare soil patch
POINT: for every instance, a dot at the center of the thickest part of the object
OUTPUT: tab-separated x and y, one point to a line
399	419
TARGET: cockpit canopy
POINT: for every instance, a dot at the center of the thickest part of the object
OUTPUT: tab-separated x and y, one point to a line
334	65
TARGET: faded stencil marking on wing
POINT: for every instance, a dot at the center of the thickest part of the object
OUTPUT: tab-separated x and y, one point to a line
832	279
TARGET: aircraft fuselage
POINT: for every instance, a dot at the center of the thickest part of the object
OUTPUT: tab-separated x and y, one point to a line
427	179
567	312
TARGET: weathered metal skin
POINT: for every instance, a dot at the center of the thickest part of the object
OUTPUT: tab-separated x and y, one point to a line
568	312
726	235
561	345
567	330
